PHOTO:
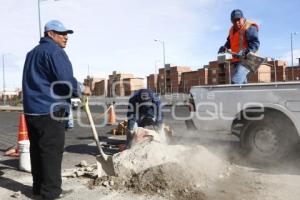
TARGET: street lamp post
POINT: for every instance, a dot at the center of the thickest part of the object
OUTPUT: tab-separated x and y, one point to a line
275	70
39	15
292	53
155	71
164	61
3	95
3	65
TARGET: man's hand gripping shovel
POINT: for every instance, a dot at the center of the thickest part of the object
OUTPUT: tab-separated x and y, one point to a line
251	61
104	161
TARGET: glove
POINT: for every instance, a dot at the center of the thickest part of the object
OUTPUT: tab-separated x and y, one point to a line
242	53
222	49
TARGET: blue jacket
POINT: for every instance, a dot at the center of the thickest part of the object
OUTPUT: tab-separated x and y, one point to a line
44	65
144	104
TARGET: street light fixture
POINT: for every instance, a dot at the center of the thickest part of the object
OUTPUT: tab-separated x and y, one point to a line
292	53
164	61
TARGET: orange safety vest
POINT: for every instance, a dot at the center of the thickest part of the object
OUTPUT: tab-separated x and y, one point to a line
238	39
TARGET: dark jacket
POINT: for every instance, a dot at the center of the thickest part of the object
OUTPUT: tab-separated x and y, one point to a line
44	65
144	104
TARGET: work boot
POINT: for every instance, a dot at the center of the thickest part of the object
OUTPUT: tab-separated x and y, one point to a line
64	193
36	196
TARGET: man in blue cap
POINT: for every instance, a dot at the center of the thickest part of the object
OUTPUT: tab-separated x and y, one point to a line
48	84
144	110
242	39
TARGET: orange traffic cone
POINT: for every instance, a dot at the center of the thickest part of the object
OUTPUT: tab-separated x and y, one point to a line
24	145
111	116
23	132
23	135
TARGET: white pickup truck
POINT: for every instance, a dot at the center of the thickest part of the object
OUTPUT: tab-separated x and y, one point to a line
265	116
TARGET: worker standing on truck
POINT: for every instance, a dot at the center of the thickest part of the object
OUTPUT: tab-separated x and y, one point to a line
144	109
242	39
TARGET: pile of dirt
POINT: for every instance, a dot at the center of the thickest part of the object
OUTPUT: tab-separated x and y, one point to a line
168	180
172	171
145	155
194	159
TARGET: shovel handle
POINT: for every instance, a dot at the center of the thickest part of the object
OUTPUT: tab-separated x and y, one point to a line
91	121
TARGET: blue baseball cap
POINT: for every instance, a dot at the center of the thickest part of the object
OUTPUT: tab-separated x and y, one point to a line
55	25
236	14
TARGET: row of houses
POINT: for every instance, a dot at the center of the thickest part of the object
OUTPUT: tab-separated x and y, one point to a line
179	79
117	84
10	97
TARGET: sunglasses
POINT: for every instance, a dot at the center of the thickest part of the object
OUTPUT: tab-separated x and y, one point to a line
235	20
60	33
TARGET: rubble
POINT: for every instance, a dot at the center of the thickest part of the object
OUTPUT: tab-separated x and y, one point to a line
83	169
167	180
83	163
17	195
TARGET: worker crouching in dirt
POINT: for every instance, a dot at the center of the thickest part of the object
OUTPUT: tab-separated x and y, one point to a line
144	110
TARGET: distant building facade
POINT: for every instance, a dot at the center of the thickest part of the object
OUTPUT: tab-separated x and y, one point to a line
92	81
168	79
123	84
152	82
100	88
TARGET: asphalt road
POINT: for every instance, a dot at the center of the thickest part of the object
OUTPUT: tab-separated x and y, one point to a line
81	134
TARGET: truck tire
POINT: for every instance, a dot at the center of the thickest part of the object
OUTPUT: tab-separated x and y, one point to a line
268	140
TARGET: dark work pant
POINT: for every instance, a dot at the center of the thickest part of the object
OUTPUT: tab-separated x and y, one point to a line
47	138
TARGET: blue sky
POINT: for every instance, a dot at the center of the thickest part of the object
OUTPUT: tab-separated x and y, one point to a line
119	34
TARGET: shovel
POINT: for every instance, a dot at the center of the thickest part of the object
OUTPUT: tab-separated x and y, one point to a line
104	161
252	61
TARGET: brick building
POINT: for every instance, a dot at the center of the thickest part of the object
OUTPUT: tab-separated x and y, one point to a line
219	73
91	82
121	84
169	78
152	82
262	75
192	78
280	67
100	88
132	84
175	78
215	73
290	71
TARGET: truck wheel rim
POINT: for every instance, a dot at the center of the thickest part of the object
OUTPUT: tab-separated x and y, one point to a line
266	141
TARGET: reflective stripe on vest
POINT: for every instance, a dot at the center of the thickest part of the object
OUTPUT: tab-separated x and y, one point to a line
238	39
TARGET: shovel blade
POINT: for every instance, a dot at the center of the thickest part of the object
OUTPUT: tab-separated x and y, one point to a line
105	167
